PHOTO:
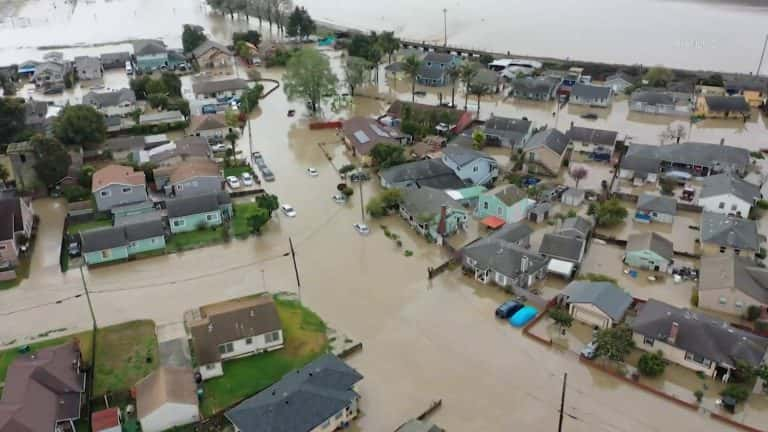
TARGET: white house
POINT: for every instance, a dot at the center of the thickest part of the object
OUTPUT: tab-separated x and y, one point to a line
167	398
209	126
233	329
115	103
727	194
600	304
470	165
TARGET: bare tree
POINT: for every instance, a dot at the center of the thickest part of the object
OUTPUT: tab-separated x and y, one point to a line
578	173
673	134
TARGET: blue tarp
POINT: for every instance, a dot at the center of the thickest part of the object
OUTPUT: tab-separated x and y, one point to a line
522	316
328	41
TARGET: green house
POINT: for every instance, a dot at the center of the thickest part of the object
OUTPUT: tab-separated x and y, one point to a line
116	243
193	212
507	202
649	251
433	213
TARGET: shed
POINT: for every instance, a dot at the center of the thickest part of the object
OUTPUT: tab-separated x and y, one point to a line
167	398
106	420
649	251
573	197
655	208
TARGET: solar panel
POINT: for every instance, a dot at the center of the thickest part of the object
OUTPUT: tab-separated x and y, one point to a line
361	137
379	132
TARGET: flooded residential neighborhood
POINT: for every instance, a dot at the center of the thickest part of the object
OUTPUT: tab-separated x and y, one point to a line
165	235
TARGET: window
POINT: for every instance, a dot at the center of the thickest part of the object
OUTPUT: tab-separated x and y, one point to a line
106	254
475	168
485	205
180	186
722	205
212	217
2	247
648	341
697	359
739	305
210	366
105	193
723	300
722	249
126	190
733	207
179	222
248	341
272	337
226	348
498	211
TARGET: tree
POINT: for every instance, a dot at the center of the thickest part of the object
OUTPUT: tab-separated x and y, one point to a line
4	174
268	202
249	100
300	24
454	74
651	364
52	159
615	343
608	213
385	201
715	80
478	139
738	392
232	118
139	86
667	185
12	118
467	73
172	84
232	138
578	173
347	168
355	71
561	317
387	155
258	219
251	36
658	76
309	76
80	125
753	312
389	44
192	37
479	90
178	104
411	67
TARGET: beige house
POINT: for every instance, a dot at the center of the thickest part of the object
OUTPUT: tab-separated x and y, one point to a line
598	304
730	284
546	149
167	398
724	234
212	54
696	341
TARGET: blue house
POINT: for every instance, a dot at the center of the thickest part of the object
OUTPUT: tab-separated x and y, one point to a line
434	69
471	165
115	243
193	212
150	55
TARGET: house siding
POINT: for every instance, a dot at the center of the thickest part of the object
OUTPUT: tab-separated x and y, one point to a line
590	314
107	255
240	348
725	204
214	58
672	354
151	61
121	110
116	197
602	102
714	249
546	157
455	219
495	207
193	222
168	416
646	259
146	245
478	172
337	421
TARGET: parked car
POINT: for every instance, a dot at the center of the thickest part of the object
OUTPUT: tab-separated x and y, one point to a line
589	352
233	182
589	116
312	172
247	179
359	176
218	148
339	199
521	317
288	210
256	155
508	308
73	245
531	181
362	229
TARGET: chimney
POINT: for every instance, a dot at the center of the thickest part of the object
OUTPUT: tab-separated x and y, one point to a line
722	141
571	124
524	264
441	226
672	338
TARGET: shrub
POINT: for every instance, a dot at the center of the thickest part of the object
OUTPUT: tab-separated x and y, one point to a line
699	395
408	253
348	191
75	193
757	155
597	277
651	364
762	204
738	392
347	168
695	298
753	312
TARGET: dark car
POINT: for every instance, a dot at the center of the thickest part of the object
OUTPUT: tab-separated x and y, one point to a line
531	181
359	176
507	309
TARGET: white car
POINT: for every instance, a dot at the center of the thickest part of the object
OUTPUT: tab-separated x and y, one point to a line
247	179
217	148
312	172
339	199
362	228
288	210
233	182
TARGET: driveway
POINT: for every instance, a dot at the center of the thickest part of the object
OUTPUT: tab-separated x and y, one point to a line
173	345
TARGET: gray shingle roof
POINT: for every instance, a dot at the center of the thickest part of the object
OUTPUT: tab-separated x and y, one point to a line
514	232
209	44
196	204
508	194
109	99
653	242
551	138
619	76
660	204
727	104
734	273
508	129
533	85
723	184
107	238
727	231
590	92
462	155
427	201
651	97
647	158
436	57
208	87
604	295
301	400
149	47
431	173
497	253
125	143
592	136
700	334
562	247
576	226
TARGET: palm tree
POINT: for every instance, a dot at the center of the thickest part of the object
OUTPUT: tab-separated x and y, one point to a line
467	73
388	44
478	90
411	67
454	74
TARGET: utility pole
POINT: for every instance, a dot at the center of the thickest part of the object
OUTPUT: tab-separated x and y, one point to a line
762	56
94	329
295	268
445	27
562	404
362	206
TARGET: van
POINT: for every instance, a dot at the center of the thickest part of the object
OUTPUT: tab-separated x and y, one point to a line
507	309
128	68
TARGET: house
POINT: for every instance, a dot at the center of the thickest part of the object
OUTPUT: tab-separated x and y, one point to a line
458	120
191	177
649	251
23	158
116	185
416	425
597	142
728	194
122	148
725	107
591	95
361	134
150	55
319	397
49	74
167	398
518	234
577	227
731	284
537	89
539	213
470	165
698	159
44	391
432	212
565	253
189	213
36	115
486	78
27	68
709	90
433	173
751	88
434	69
106	420
210	54
495	259
618	82
724	233
655	208
103	245
115	103
225	88
115	60
189	148
506	202
597	304
573	197
233	329
506	132
88	68
696	341
16	224
547	149
163	117
652	102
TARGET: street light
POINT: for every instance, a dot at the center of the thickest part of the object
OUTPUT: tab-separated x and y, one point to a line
445	27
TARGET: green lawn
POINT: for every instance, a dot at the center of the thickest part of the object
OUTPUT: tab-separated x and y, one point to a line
240	219
22	272
195	239
236	171
305	340
125	353
85	226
